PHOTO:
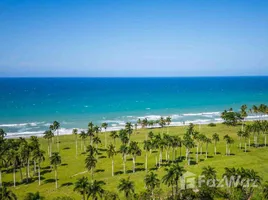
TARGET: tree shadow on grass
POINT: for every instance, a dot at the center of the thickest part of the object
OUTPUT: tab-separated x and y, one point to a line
153	169
66	184
139	164
101	157
83	153
51	180
210	156
99	170
101	149
218	153
47	167
64	164
118	173
139	169
129	159
66	148
46	171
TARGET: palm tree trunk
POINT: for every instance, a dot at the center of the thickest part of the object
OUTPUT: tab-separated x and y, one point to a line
197	151
215	149
76	146
14	176
39	177
245	147
146	161
112	167
0	178
34	167
48	147
249	142
26	173
124	163
21	176
28	168
81	144
133	160
84	194
226	150
207	151
56	178
50	151
265	140
105	139
58	142
91	140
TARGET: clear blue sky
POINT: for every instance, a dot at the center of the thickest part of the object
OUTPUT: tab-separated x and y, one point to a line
133	38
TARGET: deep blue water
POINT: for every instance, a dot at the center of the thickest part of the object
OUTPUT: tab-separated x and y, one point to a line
28	105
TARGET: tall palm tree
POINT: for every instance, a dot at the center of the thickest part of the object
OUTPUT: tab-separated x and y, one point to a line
83	137
188	143
48	135
91	150
81	186
96	141
55	160
104	125
13	159
162	123
124	150
56	127
245	135
209	173
151	182
215	139
240	133
129	130
24	151
39	156
90	163
135	151
168	121
147	146
95	190
2	134
207	141
171	178
34	196
97	130
6	194
123	137
33	145
126	186
91	131
114	135
244	114
228	141
111	152
75	132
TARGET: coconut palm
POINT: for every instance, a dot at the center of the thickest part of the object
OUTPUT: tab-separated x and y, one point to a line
188	143
96	141
162	123
228	141
265	190
209	173
147	146
129	130
124	150
91	150
207	141
144	123
13	159
90	163
83	137
123	136
6	194
126	186
75	132
245	135
91	131
114	135
168	121
56	126
33	196
97	130
95	189
104	125
151	182
171	178
55	160
111	152
244	114
215	139
135	151
2	134
240	133
24	153
39	157
48	135
81	186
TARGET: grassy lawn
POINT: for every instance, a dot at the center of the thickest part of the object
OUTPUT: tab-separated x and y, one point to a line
73	167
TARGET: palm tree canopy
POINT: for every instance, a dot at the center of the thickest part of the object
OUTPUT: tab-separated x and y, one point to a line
34	196
126	186
7	194
151	181
55	159
90	162
111	151
95	189
81	184
174	172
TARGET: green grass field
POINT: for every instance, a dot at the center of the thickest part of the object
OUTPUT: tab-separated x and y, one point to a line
73	167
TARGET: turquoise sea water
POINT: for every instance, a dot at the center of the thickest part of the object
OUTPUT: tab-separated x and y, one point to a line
28	105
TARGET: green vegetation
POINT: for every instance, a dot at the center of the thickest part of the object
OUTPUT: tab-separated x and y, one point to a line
144	164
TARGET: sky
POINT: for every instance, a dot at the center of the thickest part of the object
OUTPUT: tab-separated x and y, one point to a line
104	38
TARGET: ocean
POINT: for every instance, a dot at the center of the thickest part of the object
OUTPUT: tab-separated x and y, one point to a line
29	105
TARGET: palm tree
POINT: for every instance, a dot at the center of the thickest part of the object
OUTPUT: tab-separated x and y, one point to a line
24	151
246	135
209	173
111	152
91	150
243	114
240	133
55	160
38	155
188	143
174	172
114	135
124	150
105	125
144	123
208	140
82	185
123	137
90	131
151	182
229	141
215	139
75	132
162	123
129	130
83	137
33	196
34	145
147	146
95	189
134	150
6	194
126	186
96	141
90	164
2	134
49	135
56	126
13	159
168	121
